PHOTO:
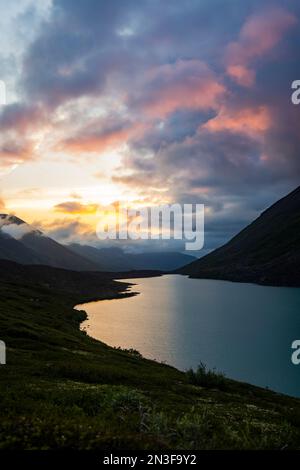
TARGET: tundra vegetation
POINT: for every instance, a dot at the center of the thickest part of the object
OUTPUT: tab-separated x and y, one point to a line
61	389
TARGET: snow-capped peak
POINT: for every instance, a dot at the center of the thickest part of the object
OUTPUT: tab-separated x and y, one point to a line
15	227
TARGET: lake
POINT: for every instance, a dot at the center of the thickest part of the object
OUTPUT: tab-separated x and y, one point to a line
243	330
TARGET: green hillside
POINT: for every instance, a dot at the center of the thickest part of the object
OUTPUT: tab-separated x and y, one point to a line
61	389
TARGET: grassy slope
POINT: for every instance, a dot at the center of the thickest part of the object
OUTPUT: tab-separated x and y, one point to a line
62	389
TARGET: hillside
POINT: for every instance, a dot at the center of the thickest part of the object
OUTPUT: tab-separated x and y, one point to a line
60	389
266	252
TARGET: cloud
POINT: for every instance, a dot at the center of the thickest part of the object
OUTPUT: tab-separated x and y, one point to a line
16	231
72	207
241	74
14	151
185	84
21	117
100	136
2	204
197	107
66	231
73	56
251	121
75	195
258	36
18	123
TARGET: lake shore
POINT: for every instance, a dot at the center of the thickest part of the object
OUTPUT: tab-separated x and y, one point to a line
215	317
78	393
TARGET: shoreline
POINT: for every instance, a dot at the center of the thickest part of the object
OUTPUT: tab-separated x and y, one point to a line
73	388
93	330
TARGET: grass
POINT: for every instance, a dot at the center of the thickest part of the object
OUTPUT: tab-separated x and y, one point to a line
61	389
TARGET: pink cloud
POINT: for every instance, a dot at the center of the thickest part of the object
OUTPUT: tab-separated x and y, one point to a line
250	121
186	84
241	75
94	139
259	35
22	118
19	123
12	152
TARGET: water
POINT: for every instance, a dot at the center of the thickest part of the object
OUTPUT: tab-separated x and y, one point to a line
244	330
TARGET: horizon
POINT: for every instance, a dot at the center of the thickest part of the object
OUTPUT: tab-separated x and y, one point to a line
116	244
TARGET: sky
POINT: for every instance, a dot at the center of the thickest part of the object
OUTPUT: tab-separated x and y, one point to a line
147	102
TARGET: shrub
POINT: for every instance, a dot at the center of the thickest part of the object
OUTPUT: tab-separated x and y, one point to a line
130	351
206	377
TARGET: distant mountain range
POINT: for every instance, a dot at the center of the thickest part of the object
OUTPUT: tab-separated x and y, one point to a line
266	252
115	259
23	244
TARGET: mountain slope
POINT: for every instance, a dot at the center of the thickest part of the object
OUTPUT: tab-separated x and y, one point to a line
107	259
56	255
265	252
21	243
13	250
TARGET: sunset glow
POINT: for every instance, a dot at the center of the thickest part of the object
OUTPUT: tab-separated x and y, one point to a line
152	114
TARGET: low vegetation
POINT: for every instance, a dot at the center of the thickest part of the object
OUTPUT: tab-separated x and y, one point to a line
61	389
206	377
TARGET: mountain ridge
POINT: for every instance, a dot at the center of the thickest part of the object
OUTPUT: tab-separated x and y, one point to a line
22	243
115	259
267	251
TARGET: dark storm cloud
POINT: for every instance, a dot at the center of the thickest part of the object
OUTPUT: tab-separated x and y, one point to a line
85	42
77	49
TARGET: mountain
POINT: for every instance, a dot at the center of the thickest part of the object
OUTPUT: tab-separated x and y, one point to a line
115	259
266	252
55	254
13	250
21	243
107	259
